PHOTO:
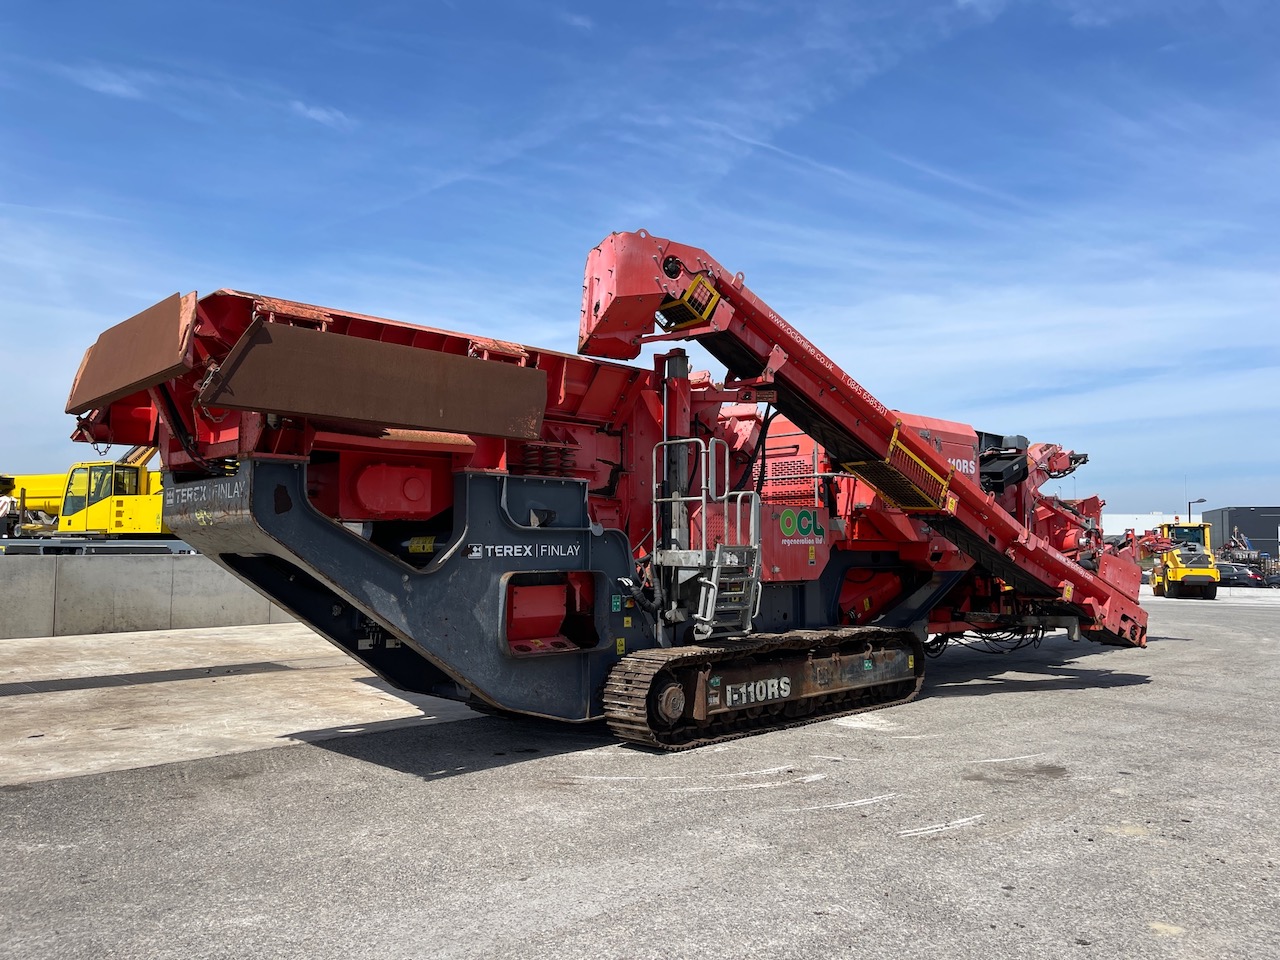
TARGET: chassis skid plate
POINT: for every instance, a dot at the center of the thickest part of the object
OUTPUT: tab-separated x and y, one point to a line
677	698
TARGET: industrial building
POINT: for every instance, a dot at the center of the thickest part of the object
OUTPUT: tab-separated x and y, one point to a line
1260	525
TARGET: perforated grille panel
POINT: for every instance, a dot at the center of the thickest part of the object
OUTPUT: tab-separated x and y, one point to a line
782	484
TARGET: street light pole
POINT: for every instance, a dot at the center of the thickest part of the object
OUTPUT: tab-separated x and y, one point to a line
1189	503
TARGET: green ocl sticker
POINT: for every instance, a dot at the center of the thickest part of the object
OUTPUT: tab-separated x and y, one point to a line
615	603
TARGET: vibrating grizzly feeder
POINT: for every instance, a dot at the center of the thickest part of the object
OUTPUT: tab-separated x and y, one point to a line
576	538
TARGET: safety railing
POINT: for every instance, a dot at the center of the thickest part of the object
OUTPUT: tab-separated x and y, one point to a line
713	513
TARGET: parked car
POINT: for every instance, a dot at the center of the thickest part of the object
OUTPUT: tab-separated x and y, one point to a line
1272	580
1238	575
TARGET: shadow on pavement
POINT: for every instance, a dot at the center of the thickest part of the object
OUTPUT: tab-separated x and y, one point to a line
1054	665
434	751
435	748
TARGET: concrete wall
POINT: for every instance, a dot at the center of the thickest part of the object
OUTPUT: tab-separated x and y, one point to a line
26	597
64	596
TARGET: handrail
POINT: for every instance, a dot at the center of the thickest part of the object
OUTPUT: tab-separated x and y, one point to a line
744	504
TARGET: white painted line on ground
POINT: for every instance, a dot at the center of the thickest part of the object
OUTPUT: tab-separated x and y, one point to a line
940	827
811	778
866	723
693	776
840	806
1025	756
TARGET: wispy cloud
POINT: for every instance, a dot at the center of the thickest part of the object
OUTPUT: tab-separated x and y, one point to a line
955	180
195	96
1092	14
61	211
747	94
328	116
1076	309
1096	13
575	20
65	282
1018	233
110	81
990	9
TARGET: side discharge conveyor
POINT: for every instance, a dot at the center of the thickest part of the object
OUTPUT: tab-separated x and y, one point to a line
643	289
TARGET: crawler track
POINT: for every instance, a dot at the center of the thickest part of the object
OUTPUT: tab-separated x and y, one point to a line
630	695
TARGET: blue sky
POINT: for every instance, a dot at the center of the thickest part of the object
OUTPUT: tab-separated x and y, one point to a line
1048	217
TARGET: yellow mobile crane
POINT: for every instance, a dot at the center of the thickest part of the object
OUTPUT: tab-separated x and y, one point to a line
30	501
95	501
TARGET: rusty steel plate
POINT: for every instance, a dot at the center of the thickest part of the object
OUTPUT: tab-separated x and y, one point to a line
143	351
294	371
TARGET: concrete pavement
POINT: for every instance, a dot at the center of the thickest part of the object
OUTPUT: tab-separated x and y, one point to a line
1062	801
76	705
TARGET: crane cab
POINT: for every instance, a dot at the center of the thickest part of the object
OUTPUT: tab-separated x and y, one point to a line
109	498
